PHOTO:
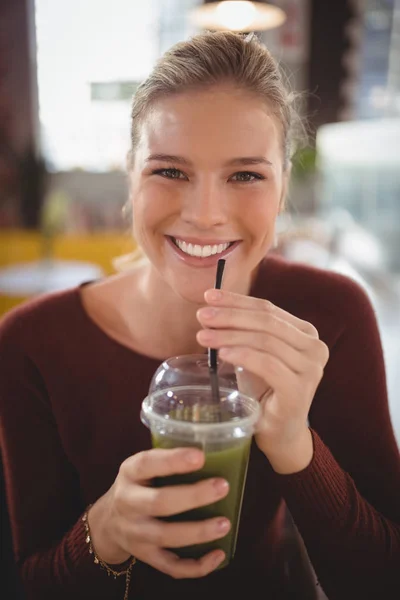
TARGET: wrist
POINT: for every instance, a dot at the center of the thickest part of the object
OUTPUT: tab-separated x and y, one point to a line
293	457
102	540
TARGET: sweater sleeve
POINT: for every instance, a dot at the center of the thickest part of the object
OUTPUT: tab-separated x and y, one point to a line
43	492
346	503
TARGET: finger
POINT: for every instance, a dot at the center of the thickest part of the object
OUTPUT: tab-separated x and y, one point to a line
232	300
263	321
160	462
177	535
181	568
279	377
297	361
174	499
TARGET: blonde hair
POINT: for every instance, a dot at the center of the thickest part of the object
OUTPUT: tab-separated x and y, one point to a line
214	58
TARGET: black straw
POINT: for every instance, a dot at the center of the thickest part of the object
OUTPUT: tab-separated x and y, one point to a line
212	352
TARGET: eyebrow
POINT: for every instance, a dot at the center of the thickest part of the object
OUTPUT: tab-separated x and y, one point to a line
234	162
168	158
249	160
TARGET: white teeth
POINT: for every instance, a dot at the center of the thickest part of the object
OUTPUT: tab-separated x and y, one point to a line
200	251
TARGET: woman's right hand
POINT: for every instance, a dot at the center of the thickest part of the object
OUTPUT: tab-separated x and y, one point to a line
125	521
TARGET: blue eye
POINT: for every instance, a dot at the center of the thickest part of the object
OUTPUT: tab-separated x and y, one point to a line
246	177
170	173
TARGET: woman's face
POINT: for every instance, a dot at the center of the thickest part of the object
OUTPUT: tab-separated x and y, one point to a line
207	183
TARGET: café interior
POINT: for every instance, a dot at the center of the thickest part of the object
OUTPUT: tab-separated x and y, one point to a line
64	134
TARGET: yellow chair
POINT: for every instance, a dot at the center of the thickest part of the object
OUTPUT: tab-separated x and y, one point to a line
20	248
18	245
98	248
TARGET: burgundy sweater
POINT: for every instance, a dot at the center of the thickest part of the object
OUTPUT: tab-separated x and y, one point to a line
70	400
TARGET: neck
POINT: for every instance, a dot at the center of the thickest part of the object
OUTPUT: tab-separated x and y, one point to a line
170	319
150	317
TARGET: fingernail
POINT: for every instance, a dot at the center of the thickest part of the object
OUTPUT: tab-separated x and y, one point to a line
221	486
205	336
218	558
225	352
222	525
213	295
193	457
208	313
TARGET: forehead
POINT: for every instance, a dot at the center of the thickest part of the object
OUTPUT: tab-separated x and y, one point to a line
226	122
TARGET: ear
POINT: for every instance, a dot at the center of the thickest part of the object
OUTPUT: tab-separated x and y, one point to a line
285	187
129	160
127	207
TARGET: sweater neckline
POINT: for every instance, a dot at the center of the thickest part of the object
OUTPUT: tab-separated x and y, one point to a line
101	334
105	337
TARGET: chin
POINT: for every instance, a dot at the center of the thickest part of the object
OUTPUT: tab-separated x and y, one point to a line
194	294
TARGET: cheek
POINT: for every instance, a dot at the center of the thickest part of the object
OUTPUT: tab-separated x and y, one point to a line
266	206
152	203
261	208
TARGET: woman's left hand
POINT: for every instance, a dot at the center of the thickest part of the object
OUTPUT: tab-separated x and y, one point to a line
286	356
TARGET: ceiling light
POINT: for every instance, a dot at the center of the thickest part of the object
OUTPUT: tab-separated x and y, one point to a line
237	15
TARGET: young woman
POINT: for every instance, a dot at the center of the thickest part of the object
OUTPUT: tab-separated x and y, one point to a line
208	171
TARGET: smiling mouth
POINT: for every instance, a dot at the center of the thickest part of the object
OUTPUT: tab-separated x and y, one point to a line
201	251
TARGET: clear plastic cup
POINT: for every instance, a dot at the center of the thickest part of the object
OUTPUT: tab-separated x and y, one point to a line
192	369
187	415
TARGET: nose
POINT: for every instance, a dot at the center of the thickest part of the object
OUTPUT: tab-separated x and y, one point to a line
205	205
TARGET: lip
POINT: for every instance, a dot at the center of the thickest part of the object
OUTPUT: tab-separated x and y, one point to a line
201	241
197	261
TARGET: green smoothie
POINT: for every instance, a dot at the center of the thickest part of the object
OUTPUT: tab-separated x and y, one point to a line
229	461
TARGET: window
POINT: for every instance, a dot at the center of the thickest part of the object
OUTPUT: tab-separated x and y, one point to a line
91	56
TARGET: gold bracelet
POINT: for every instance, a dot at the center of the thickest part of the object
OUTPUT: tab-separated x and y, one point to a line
98	561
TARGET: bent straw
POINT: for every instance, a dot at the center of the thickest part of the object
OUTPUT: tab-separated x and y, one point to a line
212	352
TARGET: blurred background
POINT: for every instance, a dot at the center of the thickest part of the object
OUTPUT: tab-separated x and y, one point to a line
68	69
